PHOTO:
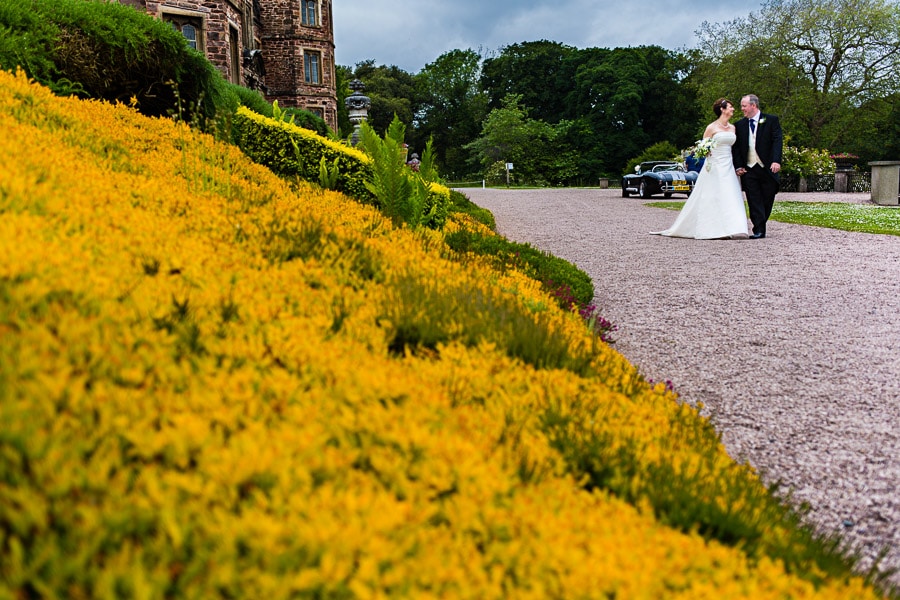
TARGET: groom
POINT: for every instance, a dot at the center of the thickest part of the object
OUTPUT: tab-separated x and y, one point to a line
757	161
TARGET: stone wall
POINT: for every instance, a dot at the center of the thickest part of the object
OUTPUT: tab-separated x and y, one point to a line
285	41
261	44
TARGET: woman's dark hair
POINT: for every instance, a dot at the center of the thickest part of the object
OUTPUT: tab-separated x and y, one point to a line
720	105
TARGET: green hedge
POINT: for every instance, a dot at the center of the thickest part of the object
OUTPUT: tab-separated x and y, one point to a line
113	52
553	272
251	99
292	151
460	203
308	120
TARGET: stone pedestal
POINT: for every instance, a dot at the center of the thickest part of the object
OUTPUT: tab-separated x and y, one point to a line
842	181
357	107
886	182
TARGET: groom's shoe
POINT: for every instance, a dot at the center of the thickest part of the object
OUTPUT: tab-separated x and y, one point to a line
756	236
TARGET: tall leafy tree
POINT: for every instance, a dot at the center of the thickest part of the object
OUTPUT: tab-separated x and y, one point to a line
876	137
816	62
539	72
623	101
531	145
453	106
392	92
343	77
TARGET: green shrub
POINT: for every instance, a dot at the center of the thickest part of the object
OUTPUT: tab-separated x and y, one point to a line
460	203
389	183
658	151
496	174
113	52
251	99
437	196
693	500
25	41
424	313
806	161
307	120
293	152
552	271
404	196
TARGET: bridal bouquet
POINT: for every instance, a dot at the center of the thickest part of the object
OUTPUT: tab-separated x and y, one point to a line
702	148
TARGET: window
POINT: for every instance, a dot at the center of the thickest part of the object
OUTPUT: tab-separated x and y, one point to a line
247	25
235	51
190	27
312	72
190	34
310	11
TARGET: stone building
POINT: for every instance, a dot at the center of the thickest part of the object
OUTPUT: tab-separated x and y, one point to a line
283	48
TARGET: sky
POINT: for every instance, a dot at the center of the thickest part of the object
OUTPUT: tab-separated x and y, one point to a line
411	34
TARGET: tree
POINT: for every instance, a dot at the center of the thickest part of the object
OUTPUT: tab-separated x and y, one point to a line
452	108
815	62
343	77
623	101
539	72
392	92
532	145
878	136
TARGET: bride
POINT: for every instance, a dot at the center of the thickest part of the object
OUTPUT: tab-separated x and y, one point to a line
715	208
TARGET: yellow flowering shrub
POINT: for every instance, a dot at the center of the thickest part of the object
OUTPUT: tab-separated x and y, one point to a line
292	151
214	384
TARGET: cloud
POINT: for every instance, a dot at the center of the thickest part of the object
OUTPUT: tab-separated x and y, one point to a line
412	34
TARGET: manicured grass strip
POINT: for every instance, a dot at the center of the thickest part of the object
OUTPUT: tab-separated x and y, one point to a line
864	218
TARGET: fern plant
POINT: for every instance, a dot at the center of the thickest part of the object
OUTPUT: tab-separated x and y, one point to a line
281	115
401	197
328	176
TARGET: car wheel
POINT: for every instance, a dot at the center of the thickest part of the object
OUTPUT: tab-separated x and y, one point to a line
643	191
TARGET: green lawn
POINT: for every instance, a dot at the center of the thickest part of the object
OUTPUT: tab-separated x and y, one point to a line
835	215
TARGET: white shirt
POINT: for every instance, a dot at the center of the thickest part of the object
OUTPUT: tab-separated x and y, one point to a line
752	156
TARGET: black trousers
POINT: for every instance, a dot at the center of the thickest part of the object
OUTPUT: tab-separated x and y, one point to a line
761	185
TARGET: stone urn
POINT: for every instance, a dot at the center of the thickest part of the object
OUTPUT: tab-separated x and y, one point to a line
844	163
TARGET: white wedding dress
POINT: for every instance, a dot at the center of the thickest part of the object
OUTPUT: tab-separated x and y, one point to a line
715	208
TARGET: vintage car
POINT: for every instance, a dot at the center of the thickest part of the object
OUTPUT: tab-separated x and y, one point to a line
659	177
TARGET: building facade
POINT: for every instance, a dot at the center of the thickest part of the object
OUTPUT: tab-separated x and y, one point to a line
283	48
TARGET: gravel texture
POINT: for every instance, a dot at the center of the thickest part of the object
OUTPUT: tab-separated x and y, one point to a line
791	343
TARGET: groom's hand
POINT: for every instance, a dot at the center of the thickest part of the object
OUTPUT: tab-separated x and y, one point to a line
775	167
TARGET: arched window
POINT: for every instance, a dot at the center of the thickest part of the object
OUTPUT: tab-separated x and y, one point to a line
190	26
190	34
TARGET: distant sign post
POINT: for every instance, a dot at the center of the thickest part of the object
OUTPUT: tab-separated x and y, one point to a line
509	167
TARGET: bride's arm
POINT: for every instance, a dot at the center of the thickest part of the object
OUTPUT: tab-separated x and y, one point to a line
710	131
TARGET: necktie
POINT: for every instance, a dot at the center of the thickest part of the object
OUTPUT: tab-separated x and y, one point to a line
752	156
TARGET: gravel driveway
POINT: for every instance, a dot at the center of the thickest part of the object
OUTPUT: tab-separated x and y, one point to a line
792	342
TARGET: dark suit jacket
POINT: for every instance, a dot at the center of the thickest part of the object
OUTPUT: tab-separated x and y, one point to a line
769	142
